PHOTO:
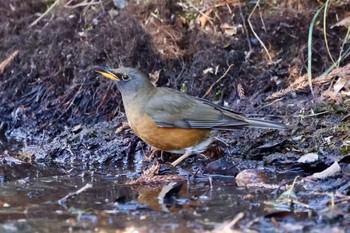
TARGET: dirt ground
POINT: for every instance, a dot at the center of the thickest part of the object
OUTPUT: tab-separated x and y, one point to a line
58	117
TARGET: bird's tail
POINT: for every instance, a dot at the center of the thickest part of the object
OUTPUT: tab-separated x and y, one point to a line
257	123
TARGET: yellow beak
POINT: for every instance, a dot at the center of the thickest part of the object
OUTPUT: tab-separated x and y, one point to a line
108	74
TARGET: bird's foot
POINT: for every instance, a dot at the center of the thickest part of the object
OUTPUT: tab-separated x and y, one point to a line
180	159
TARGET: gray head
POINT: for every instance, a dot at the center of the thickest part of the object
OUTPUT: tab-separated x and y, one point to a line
130	81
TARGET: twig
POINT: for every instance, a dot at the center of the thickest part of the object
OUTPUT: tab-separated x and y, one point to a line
200	12
312	115
247	34
83	3
274	101
72	194
217	81
4	64
45	13
325	30
228	227
257	37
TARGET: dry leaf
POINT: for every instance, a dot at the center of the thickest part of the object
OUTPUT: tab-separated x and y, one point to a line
253	178
208	70
240	91
344	22
333	96
301	84
203	19
341	82
308	158
76	129
154	77
228	29
347	93
330	171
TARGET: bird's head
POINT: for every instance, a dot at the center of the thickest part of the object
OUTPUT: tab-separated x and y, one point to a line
129	80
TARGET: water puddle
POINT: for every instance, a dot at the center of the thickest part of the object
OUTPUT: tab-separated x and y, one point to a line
34	204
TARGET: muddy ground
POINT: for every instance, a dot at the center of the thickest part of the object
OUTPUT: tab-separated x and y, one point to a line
62	125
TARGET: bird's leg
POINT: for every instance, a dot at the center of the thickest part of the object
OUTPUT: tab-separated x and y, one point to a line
162	155
181	158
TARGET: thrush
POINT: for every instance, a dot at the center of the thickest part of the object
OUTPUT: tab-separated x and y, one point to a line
171	120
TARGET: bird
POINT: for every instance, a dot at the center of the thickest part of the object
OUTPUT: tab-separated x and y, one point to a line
171	120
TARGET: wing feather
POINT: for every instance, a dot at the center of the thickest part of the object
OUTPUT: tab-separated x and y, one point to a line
171	108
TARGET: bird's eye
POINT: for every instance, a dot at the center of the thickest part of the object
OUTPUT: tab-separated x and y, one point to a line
125	77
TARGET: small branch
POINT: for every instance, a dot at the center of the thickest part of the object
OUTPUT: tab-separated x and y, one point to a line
72	194
4	64
83	3
200	12
256	36
247	34
46	12
325	30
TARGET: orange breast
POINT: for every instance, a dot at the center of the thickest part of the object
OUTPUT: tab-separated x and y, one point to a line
167	139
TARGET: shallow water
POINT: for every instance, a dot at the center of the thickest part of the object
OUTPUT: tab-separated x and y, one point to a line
36	204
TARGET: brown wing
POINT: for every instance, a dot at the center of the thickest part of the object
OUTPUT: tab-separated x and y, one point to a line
171	108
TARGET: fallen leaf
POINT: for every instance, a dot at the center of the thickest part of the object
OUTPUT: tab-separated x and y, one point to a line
333	96
228	29
308	158
203	19
347	93
76	129
208	70
344	22
253	178
341	82
154	77
330	171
